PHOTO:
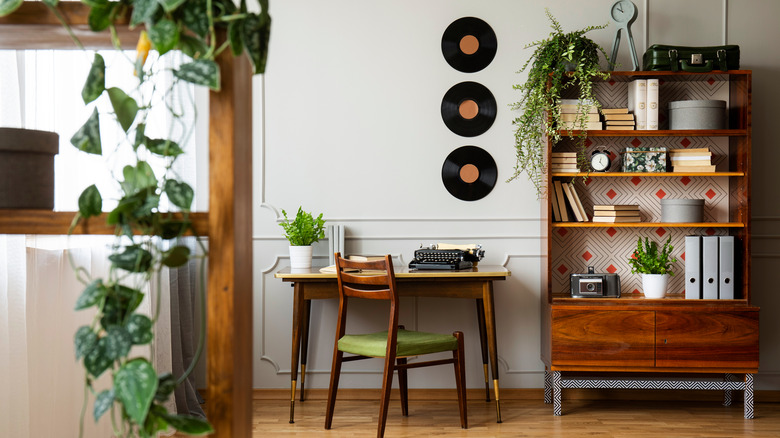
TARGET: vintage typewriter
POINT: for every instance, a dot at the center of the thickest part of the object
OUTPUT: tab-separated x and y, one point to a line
447	257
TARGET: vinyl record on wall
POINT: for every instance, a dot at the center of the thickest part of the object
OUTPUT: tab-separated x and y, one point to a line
468	109
469	44
469	173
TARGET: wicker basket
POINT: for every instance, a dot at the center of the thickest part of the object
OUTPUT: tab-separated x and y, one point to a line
27	168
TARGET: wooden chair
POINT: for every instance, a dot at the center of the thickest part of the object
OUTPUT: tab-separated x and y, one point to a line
395	345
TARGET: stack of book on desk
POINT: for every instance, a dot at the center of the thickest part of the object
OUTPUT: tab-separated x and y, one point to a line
691	160
618	119
564	162
616	213
572	112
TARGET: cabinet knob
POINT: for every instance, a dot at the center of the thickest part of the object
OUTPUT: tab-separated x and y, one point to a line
664	341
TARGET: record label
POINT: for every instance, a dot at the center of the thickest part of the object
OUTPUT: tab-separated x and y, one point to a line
469	44
468	109
469	173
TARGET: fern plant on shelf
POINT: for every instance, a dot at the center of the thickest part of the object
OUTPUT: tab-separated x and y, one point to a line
560	62
654	264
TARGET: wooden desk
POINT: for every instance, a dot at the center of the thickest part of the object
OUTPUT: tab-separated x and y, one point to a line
476	283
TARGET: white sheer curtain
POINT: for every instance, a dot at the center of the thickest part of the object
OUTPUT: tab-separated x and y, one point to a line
41	384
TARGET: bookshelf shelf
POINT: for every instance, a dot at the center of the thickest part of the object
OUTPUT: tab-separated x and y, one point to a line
648	225
640	174
662	133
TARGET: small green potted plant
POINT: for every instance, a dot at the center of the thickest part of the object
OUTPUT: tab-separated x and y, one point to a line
655	266
560	62
301	232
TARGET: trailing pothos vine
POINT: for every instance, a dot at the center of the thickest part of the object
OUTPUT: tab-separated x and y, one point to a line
148	238
560	62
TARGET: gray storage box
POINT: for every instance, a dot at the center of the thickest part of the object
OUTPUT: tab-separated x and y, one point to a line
697	114
27	168
682	210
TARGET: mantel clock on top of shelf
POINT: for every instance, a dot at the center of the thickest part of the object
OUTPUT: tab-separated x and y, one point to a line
623	13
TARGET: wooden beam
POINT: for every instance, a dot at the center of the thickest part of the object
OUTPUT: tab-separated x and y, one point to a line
229	308
49	222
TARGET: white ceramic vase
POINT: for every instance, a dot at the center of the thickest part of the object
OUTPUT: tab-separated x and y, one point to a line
654	285
300	257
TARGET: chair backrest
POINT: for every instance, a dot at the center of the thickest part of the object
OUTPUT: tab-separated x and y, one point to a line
373	280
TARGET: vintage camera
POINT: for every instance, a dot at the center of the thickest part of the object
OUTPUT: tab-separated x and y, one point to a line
594	285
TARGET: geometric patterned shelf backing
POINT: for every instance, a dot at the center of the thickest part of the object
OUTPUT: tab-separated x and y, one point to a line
608	249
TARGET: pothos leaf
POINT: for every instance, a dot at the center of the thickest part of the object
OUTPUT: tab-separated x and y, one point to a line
118	342
176	256
143	11
97	361
195	17
132	259
100	17
257	31
135	384
90	202
87	138
8	6
236	37
192	46
91	295
140	329
139	177
180	193
96	80
84	341
170	5
188	424
103	403
125	107
200	72
164	148
164	35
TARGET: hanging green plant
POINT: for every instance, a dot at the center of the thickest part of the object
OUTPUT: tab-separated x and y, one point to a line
560	62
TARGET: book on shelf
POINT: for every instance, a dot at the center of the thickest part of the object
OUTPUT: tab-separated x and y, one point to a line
606	111
619	128
652	104
693	169
578	203
614	213
567	190
687	163
565	169
692	151
637	101
563	155
559	197
573	126
613	207
619	123
610	117
576	117
690	157
555	208
563	160
617	219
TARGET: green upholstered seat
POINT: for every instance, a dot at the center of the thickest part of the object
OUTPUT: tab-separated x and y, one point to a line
410	343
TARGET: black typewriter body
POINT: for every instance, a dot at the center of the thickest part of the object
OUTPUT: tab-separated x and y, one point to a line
445	259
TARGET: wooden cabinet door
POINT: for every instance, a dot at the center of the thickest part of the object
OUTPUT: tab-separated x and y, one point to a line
603	338
707	339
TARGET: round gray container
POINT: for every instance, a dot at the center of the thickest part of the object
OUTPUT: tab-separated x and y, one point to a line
682	210
697	114
27	168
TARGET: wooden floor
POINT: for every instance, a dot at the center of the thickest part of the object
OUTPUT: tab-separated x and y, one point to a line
522	418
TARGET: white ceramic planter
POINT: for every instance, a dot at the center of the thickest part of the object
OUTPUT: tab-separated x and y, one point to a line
654	285
300	257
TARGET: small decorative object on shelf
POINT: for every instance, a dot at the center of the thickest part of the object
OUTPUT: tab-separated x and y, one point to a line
623	14
654	265
301	232
616	213
644	159
600	161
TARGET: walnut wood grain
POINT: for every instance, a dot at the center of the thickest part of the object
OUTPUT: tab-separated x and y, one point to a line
47	222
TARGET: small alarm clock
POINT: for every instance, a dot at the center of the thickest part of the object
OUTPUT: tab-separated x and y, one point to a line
600	161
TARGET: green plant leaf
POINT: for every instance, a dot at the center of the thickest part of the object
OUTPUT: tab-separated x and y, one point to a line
154	422
135	384
87	138
125	107
84	341
189	424
170	5
165	387
171	229
138	178
257	32
8	6
143	11
192	46
163	148
90	202
139	327
100	16
97	361
96	80
164	35
236	37
180	193
132	259
118	342
176	256
120	301
93	293
103	403
304	229
195	17
95	3
140	138
200	72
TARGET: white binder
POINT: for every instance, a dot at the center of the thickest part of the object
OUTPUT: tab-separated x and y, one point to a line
727	268
709	267
693	267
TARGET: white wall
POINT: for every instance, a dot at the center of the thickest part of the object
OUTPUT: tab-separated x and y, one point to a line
349	125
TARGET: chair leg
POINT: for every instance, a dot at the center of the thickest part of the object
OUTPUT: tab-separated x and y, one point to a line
460	380
387	384
403	387
335	372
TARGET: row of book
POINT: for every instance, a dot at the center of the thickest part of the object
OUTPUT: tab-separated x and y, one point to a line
565	162
616	213
566	203
572	111
643	103
617	119
691	160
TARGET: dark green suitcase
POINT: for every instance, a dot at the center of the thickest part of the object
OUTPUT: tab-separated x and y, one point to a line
659	57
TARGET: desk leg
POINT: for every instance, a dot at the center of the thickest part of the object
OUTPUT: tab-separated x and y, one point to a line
305	342
490	323
483	343
297	320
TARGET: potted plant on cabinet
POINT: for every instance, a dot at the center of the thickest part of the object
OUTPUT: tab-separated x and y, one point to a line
560	62
654	265
148	234
301	232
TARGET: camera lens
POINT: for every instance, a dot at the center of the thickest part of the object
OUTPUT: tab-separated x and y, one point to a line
591	287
